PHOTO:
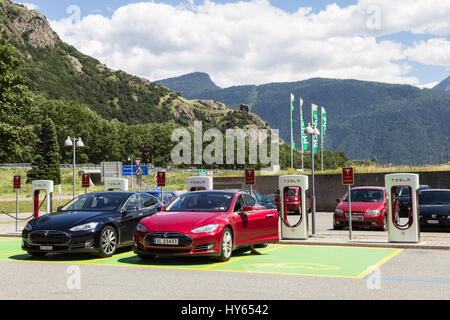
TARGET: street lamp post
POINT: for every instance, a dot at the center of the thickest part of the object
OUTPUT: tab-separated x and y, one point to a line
312	131
73	142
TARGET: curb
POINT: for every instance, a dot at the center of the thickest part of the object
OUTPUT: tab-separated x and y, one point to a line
368	244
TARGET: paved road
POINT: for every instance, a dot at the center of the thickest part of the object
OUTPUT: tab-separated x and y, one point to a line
410	274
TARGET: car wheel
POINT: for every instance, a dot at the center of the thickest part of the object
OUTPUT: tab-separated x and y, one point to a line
108	242
384	227
226	245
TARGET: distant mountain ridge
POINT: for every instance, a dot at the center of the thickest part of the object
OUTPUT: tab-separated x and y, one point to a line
59	71
443	85
190	84
397	124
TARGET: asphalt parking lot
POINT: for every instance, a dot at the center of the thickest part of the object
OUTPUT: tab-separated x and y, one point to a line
283	272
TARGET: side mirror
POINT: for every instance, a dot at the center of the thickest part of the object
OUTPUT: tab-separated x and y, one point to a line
130	210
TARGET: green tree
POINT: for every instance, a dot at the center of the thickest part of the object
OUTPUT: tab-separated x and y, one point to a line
15	105
45	165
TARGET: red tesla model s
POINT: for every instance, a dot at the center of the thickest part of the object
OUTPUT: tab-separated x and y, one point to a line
206	223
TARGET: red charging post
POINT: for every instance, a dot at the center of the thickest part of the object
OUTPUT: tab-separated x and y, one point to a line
250	178
17	184
161	182
348	179
85	181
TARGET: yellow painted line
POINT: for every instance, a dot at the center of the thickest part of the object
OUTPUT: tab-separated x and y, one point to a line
101	259
5	254
379	263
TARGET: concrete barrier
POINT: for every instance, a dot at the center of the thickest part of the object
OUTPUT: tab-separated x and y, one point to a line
329	187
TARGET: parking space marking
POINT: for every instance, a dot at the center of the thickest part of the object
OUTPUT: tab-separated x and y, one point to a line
293	260
241	258
380	263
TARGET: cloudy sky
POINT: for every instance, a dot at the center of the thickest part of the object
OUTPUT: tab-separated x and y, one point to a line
261	41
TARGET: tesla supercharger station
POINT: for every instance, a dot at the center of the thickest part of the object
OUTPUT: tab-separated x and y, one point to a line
116	184
299	230
400	229
38	186
199	184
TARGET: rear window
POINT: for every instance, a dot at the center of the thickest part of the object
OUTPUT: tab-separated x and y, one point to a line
366	195
434	197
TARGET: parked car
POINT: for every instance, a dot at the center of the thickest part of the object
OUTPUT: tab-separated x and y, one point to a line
206	223
293	199
369	209
93	223
262	200
404	199
434	208
168	196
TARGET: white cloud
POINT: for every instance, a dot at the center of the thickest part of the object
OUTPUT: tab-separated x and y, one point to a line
434	51
253	42
29	6
430	85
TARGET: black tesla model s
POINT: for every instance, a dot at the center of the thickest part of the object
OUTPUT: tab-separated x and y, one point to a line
93	223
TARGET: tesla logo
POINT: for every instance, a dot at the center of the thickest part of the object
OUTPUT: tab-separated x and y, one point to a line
434	216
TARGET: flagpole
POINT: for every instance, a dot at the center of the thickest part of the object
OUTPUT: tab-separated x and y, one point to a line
321	136
292	130
301	131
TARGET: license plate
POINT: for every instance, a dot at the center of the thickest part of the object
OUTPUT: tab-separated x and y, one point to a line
433	221
167	242
46	248
357	218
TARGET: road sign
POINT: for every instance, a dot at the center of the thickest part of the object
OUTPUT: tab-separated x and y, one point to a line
161	179
17	182
138	162
250	176
128	171
348	177
85	180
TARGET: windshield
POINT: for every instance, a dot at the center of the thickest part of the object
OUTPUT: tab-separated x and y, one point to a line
200	201
404	192
95	202
366	195
434	197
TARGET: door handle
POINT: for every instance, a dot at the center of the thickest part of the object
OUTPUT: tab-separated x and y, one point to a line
270	215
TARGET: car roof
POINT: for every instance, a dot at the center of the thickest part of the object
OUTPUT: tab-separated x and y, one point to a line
370	187
431	190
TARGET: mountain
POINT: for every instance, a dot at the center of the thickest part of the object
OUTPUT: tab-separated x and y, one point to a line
59	71
190	84
397	124
444	85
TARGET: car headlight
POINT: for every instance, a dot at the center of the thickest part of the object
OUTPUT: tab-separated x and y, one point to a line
140	227
373	212
85	227
28	227
339	211
206	229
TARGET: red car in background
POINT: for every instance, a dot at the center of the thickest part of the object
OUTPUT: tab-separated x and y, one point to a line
206	223
293	199
369	209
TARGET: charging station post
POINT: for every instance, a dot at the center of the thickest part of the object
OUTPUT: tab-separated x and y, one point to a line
348	179
17	185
